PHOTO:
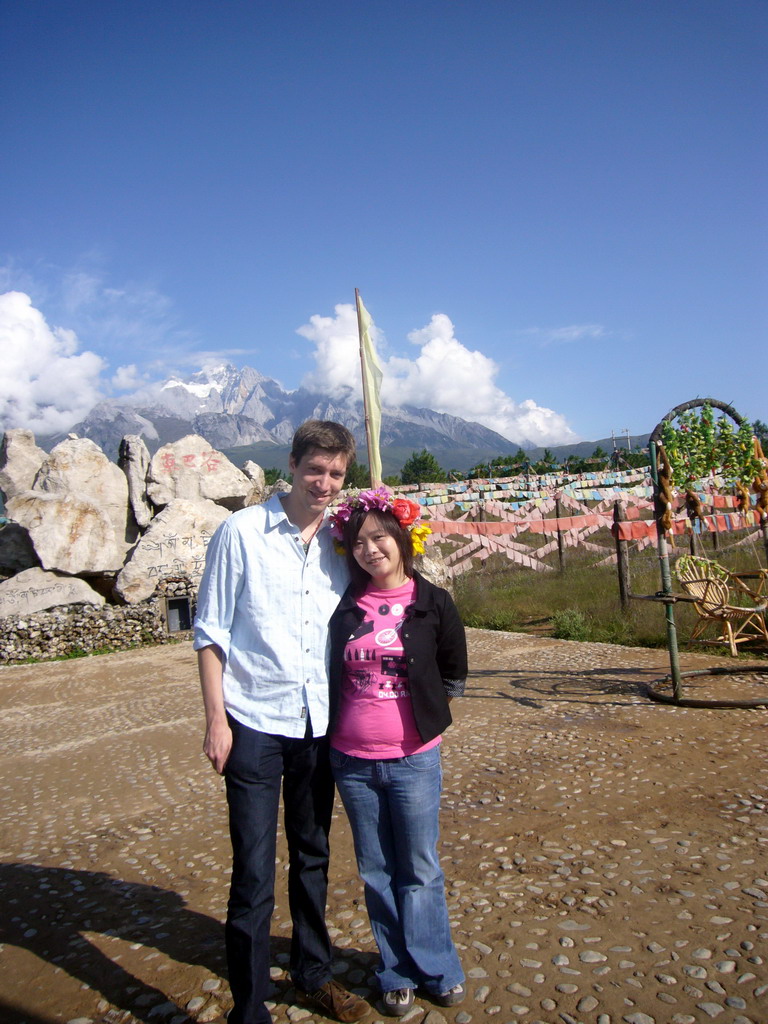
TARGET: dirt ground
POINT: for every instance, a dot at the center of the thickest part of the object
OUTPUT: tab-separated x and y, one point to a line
606	856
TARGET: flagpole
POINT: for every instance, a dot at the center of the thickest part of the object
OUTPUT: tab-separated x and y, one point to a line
374	483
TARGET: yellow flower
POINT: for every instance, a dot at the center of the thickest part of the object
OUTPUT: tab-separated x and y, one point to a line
418	534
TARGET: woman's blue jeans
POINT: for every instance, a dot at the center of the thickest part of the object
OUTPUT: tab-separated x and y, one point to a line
393	807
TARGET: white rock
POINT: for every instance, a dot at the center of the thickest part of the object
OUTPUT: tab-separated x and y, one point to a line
78	468
591	956
258	483
35	590
20	460
711	1009
68	534
134	459
191	469
726	966
587	1004
174	545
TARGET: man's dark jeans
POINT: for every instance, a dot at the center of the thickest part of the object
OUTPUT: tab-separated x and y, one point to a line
257	765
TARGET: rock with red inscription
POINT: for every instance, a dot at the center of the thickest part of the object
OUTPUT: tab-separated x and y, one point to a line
192	470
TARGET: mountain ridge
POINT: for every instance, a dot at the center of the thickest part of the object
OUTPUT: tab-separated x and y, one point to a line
233	408
251	416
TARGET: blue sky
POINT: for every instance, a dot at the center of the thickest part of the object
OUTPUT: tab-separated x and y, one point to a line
555	210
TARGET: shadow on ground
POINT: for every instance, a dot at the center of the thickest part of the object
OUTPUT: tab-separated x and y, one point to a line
579	685
51	912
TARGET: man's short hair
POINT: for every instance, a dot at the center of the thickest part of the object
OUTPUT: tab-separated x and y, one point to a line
324	434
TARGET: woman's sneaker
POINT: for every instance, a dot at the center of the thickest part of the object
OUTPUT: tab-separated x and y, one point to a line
451	997
398	1002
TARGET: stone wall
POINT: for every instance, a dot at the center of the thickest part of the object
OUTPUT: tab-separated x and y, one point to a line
71	629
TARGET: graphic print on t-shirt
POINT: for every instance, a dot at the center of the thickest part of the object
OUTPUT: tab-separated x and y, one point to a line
376	646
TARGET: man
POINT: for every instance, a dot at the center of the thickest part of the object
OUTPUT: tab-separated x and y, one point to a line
272	580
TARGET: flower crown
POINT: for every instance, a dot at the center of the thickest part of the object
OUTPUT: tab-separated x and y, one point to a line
405	511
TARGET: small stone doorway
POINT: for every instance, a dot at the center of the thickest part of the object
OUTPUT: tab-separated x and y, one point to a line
178	614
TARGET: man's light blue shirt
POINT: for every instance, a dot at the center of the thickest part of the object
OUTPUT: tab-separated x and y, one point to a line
266	604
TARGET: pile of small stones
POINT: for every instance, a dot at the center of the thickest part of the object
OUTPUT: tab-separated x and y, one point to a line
81	629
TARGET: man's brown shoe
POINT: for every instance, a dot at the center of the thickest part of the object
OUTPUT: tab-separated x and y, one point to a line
337	1003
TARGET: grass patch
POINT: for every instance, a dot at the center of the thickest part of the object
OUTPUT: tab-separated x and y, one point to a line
583	602
571	625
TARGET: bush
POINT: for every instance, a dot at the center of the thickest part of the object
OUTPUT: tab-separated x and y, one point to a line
571	625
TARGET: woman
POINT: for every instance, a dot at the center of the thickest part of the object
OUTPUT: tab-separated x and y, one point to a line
398	657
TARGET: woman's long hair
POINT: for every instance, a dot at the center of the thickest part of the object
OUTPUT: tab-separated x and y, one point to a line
388	523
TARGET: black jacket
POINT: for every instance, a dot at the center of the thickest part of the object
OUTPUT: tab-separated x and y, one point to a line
435	648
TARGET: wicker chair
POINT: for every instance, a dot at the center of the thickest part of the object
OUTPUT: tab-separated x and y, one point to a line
716	594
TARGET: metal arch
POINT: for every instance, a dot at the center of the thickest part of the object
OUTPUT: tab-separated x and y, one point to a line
676	676
695	403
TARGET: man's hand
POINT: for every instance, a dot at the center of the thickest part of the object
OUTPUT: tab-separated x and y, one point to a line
218	735
218	744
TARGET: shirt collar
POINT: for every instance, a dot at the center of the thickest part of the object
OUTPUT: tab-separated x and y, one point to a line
275	514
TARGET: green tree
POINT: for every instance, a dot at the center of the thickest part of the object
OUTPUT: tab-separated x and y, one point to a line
546	463
358	475
422	467
575	464
599	459
502	465
760	431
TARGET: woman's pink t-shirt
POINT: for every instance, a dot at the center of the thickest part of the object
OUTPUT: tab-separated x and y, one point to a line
376	716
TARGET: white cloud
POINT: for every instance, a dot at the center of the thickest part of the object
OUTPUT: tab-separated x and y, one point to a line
566	335
445	376
128	378
45	384
337	355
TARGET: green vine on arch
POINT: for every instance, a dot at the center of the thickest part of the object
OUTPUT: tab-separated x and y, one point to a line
698	446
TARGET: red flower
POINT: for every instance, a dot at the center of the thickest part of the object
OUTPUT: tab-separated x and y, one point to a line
405	511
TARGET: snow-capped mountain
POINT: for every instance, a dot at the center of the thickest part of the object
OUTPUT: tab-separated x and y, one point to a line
233	407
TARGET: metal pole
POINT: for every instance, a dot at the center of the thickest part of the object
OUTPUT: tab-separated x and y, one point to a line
666	581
